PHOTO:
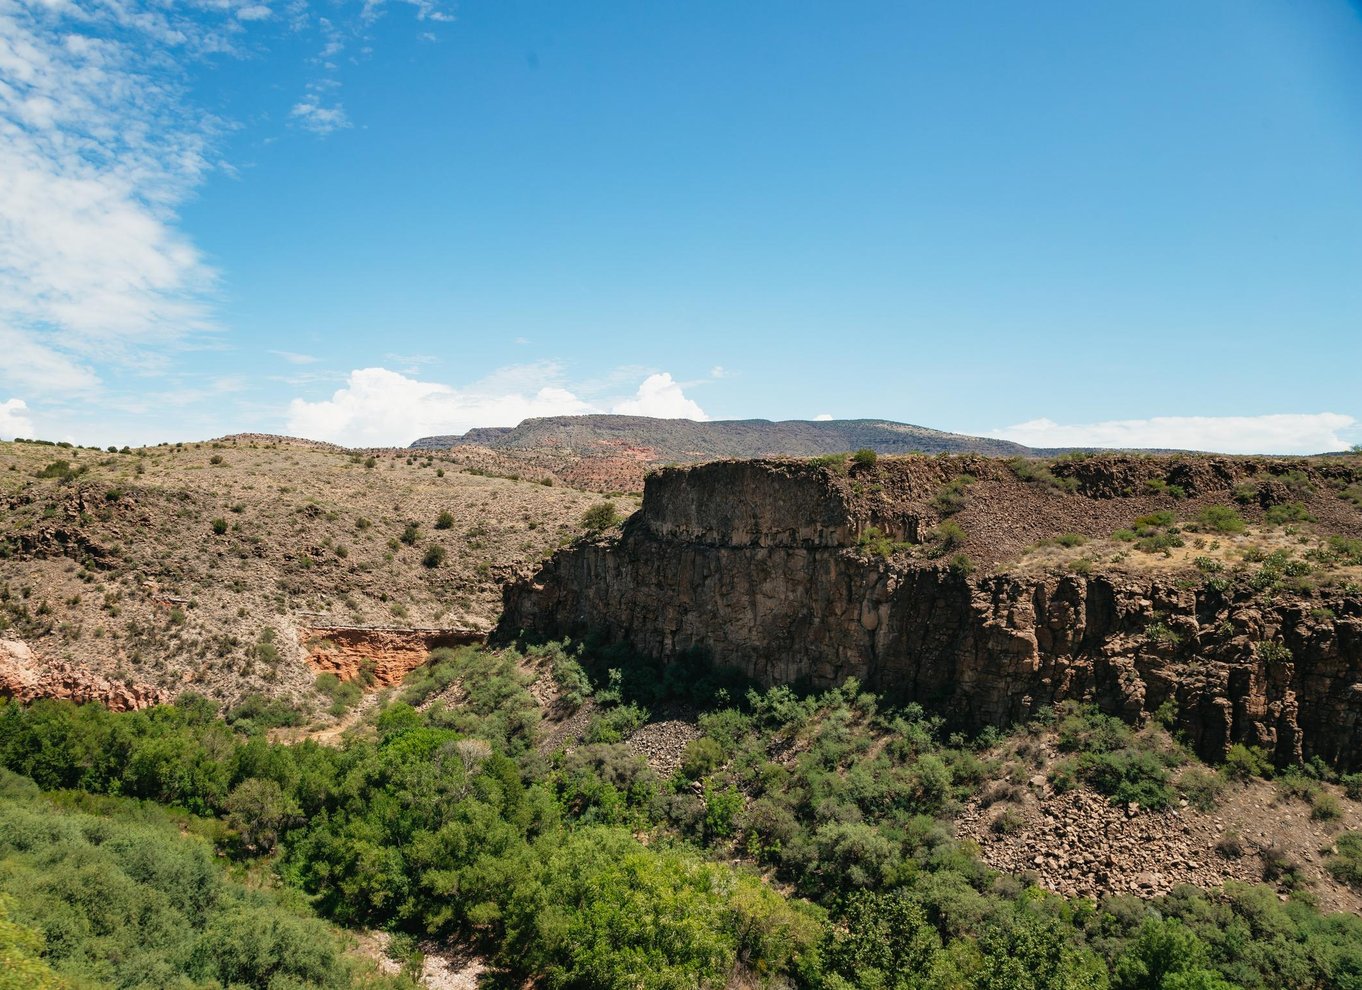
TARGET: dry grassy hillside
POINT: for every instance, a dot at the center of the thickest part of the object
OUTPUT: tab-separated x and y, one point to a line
203	566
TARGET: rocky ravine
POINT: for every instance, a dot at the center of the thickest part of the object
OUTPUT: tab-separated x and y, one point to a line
756	563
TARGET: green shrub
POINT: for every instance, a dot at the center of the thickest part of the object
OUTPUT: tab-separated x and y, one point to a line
1156	519
1221	519
948	536
701	757
1324	807
951	498
445	520
1288	512
434	556
344	695
865	457
1271	651
1159	543
1202	788
1243	763
219	526
1071	539
873	541
574	687
410	534
1345	865
1128	776
1037	473
1157	486
1352	786
600	516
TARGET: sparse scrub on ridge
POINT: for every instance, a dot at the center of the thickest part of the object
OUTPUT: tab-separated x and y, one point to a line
875	542
951	498
1038	473
1157	486
601	516
948	536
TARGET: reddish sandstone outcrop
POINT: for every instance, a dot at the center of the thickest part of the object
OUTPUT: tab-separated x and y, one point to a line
23	678
380	656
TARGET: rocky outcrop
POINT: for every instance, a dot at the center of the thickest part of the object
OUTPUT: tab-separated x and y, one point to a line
24	679
755	564
377	657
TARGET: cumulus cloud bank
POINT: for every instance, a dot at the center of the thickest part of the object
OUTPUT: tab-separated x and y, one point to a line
381	408
661	397
14	421
1284	433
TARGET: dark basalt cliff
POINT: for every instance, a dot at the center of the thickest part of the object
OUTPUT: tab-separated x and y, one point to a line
756	564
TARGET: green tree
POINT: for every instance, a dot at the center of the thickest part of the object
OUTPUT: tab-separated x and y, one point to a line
260	810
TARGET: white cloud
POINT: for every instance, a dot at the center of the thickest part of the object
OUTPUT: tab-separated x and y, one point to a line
321	119
662	397
823	418
14	421
293	357
96	152
1285	433
378	407
255	12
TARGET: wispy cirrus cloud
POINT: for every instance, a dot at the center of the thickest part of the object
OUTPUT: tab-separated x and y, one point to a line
96	154
100	146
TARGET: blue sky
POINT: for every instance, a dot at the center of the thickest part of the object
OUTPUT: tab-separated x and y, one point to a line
1060	222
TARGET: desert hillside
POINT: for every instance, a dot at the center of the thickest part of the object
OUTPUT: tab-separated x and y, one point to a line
214	565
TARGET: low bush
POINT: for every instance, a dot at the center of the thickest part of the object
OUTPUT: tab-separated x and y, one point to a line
601	516
951	498
1345	864
1202	788
1038	473
1221	519
1244	763
1288	512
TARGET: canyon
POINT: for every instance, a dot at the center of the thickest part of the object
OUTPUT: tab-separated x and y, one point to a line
770	567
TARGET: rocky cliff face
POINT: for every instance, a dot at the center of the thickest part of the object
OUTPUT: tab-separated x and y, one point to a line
756	564
24	679
381	657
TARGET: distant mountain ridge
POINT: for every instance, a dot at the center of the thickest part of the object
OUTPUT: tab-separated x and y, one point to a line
687	440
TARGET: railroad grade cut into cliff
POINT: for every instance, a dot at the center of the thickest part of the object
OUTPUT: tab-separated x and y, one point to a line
1227	588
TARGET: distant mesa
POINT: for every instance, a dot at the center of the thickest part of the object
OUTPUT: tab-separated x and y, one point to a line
687	440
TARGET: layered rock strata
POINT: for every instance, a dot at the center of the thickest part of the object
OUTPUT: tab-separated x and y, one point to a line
756	564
